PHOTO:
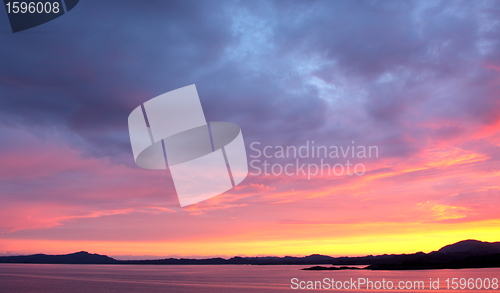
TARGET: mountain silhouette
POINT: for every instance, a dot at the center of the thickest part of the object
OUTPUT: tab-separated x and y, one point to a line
472	246
81	257
463	254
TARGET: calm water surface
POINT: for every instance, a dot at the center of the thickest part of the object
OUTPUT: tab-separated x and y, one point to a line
209	278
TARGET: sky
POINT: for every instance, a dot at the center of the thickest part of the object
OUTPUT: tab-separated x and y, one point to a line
418	80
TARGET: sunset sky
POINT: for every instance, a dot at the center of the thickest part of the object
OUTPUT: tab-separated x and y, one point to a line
420	80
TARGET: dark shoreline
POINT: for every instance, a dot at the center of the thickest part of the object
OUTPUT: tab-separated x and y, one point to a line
461	255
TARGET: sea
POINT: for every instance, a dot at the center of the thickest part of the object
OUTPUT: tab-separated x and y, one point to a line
57	278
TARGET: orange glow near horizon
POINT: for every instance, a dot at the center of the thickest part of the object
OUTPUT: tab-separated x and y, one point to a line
442	194
378	243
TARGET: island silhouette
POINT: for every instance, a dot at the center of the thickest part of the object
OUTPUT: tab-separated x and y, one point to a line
463	254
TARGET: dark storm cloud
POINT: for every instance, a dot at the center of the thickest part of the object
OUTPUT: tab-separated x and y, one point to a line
89	70
416	62
286	71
